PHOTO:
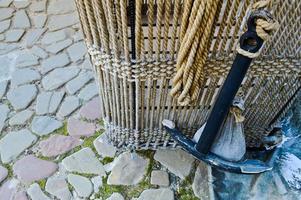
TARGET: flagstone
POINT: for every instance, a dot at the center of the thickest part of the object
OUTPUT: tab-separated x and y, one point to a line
58	187
30	168
81	184
128	170
91	110
3	173
77	127
177	161
43	125
35	193
69	105
59	77
48	102
58	144
24	76
21	19
84	161
14	143
21	118
4	110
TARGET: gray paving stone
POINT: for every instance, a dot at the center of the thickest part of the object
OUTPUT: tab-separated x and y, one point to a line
43	125
6	13
8	189
159	177
128	170
77	127
21	19
97	183
14	143
82	185
20	195
177	161
88	92
35	193
3	173
69	105
78	36
39	20
33	36
201	182
4	25
115	196
5	3
48	102
4	110
24	76
77	51
87	64
103	147
21	4
2	37
3	88
157	194
38	6
6	66
58	144
77	83
14	35
58	187
7	47
21	118
56	7
84	161
59	46
26	59
39	52
57	22
52	37
53	62
91	110
22	96
30	168
59	77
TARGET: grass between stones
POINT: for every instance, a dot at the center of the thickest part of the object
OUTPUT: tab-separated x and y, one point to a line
42	183
10	172
184	191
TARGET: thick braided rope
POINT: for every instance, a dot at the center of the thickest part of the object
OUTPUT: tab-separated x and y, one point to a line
264	28
197	22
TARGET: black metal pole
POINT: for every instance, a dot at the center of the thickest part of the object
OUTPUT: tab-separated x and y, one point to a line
250	42
223	102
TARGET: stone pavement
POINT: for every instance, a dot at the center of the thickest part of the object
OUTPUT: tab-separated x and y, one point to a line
52	142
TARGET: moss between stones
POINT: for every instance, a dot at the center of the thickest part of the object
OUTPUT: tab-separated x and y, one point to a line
185	191
42	183
10	172
105	191
63	130
107	160
128	192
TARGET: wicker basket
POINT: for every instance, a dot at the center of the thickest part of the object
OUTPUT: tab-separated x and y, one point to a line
135	92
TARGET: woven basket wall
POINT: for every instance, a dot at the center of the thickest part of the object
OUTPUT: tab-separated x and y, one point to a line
135	92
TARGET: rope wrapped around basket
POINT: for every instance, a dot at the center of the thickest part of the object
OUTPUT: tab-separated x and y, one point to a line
195	37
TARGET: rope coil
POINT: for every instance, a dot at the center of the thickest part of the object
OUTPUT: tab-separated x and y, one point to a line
194	45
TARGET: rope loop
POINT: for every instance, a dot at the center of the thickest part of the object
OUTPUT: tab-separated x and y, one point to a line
265	26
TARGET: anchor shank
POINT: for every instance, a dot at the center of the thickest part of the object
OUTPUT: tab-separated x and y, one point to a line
223	102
